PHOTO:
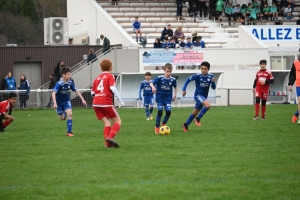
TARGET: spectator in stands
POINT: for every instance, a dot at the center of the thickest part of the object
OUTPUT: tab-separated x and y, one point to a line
178	34
283	5
202	6
165	43
157	43
244	13
10	82
3	96
167	32
219	9
194	36
179	9
57	69
189	44
262	5
193	11
91	56
106	44
259	15
199	42
172	44
229	13
266	12
254	4
23	96
237	12
51	86
273	10
288	13
136	25
291	3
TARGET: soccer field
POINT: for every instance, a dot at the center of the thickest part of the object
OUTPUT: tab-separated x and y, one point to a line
229	157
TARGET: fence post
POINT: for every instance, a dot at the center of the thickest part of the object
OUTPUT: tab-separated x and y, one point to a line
38	96
228	96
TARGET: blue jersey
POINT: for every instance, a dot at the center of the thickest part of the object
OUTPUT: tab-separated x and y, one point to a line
202	83
189	44
172	45
164	90
136	25
62	90
147	90
164	44
199	44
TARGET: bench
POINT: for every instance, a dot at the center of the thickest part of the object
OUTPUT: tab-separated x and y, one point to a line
232	32
213	43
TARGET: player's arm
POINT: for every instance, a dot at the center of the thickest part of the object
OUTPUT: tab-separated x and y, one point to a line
117	95
54	91
254	84
175	94
292	77
81	97
140	92
187	81
1	125
93	90
154	82
213	83
270	81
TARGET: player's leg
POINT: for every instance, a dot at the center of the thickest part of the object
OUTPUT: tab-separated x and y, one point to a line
158	116
1	125
205	108
60	110
264	105
168	109
69	122
151	103
258	96
197	108
141	32
114	116
146	105
298	97
99	111
295	116
9	119
136	35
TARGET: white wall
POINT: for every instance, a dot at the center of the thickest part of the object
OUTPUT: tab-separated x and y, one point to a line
89	16
246	39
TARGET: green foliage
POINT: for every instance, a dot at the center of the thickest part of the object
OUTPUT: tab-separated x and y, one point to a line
229	157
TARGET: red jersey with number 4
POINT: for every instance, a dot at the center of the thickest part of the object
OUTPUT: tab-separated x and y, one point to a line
4	107
101	88
263	75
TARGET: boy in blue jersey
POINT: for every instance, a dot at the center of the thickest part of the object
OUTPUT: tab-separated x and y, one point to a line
203	81
189	43
148	95
199	42
172	44
164	94
165	43
136	25
61	98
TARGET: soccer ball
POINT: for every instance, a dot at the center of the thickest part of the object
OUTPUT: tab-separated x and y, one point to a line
164	130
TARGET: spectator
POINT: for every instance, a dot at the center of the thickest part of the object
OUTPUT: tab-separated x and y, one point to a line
283	5
167	32
23	96
262	5
288	12
136	25
106	44
273	10
3	95
92	56
157	44
259	15
199	42
266	12
229	13
219	9
202	6
244	13
189	44
237	12
194	36
178	34
172	44
193	11
254	4
291	3
165	44
57	69
51	86
10	82
179	9
298	21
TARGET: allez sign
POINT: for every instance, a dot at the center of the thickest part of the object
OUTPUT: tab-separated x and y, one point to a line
158	57
276	33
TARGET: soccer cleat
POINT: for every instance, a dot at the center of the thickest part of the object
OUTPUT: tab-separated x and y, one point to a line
151	118
197	122
255	118
156	130
185	128
163	124
108	146
148	118
70	134
2	130
298	122
294	118
112	142
263	118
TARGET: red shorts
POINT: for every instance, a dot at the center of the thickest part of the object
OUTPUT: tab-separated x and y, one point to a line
261	94
109	112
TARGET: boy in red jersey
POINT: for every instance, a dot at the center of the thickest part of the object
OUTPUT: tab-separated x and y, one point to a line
5	107
102	90
261	86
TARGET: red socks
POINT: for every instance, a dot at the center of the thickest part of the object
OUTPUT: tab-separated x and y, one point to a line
106	132
6	123
114	130
256	109
263	111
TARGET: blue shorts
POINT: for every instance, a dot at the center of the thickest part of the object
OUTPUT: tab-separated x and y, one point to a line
62	107
298	91
148	101
164	104
199	100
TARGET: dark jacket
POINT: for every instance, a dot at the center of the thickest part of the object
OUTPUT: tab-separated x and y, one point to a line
52	83
56	73
91	57
24	85
106	44
3	84
157	45
165	32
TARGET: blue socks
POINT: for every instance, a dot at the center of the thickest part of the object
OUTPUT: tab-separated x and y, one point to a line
296	113
157	123
166	118
69	125
151	110
202	112
190	119
147	112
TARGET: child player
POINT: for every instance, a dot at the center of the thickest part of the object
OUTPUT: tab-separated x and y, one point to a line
61	98
164	94
261	86
203	81
148	95
102	90
5	109
295	76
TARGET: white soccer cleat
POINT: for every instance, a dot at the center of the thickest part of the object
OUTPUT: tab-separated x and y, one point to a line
148	118
298	122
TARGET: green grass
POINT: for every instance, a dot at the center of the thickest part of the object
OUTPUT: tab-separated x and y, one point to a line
229	157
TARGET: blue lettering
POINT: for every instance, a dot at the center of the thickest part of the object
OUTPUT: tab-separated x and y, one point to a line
270	36
254	32
297	33
286	37
262	34
278	33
